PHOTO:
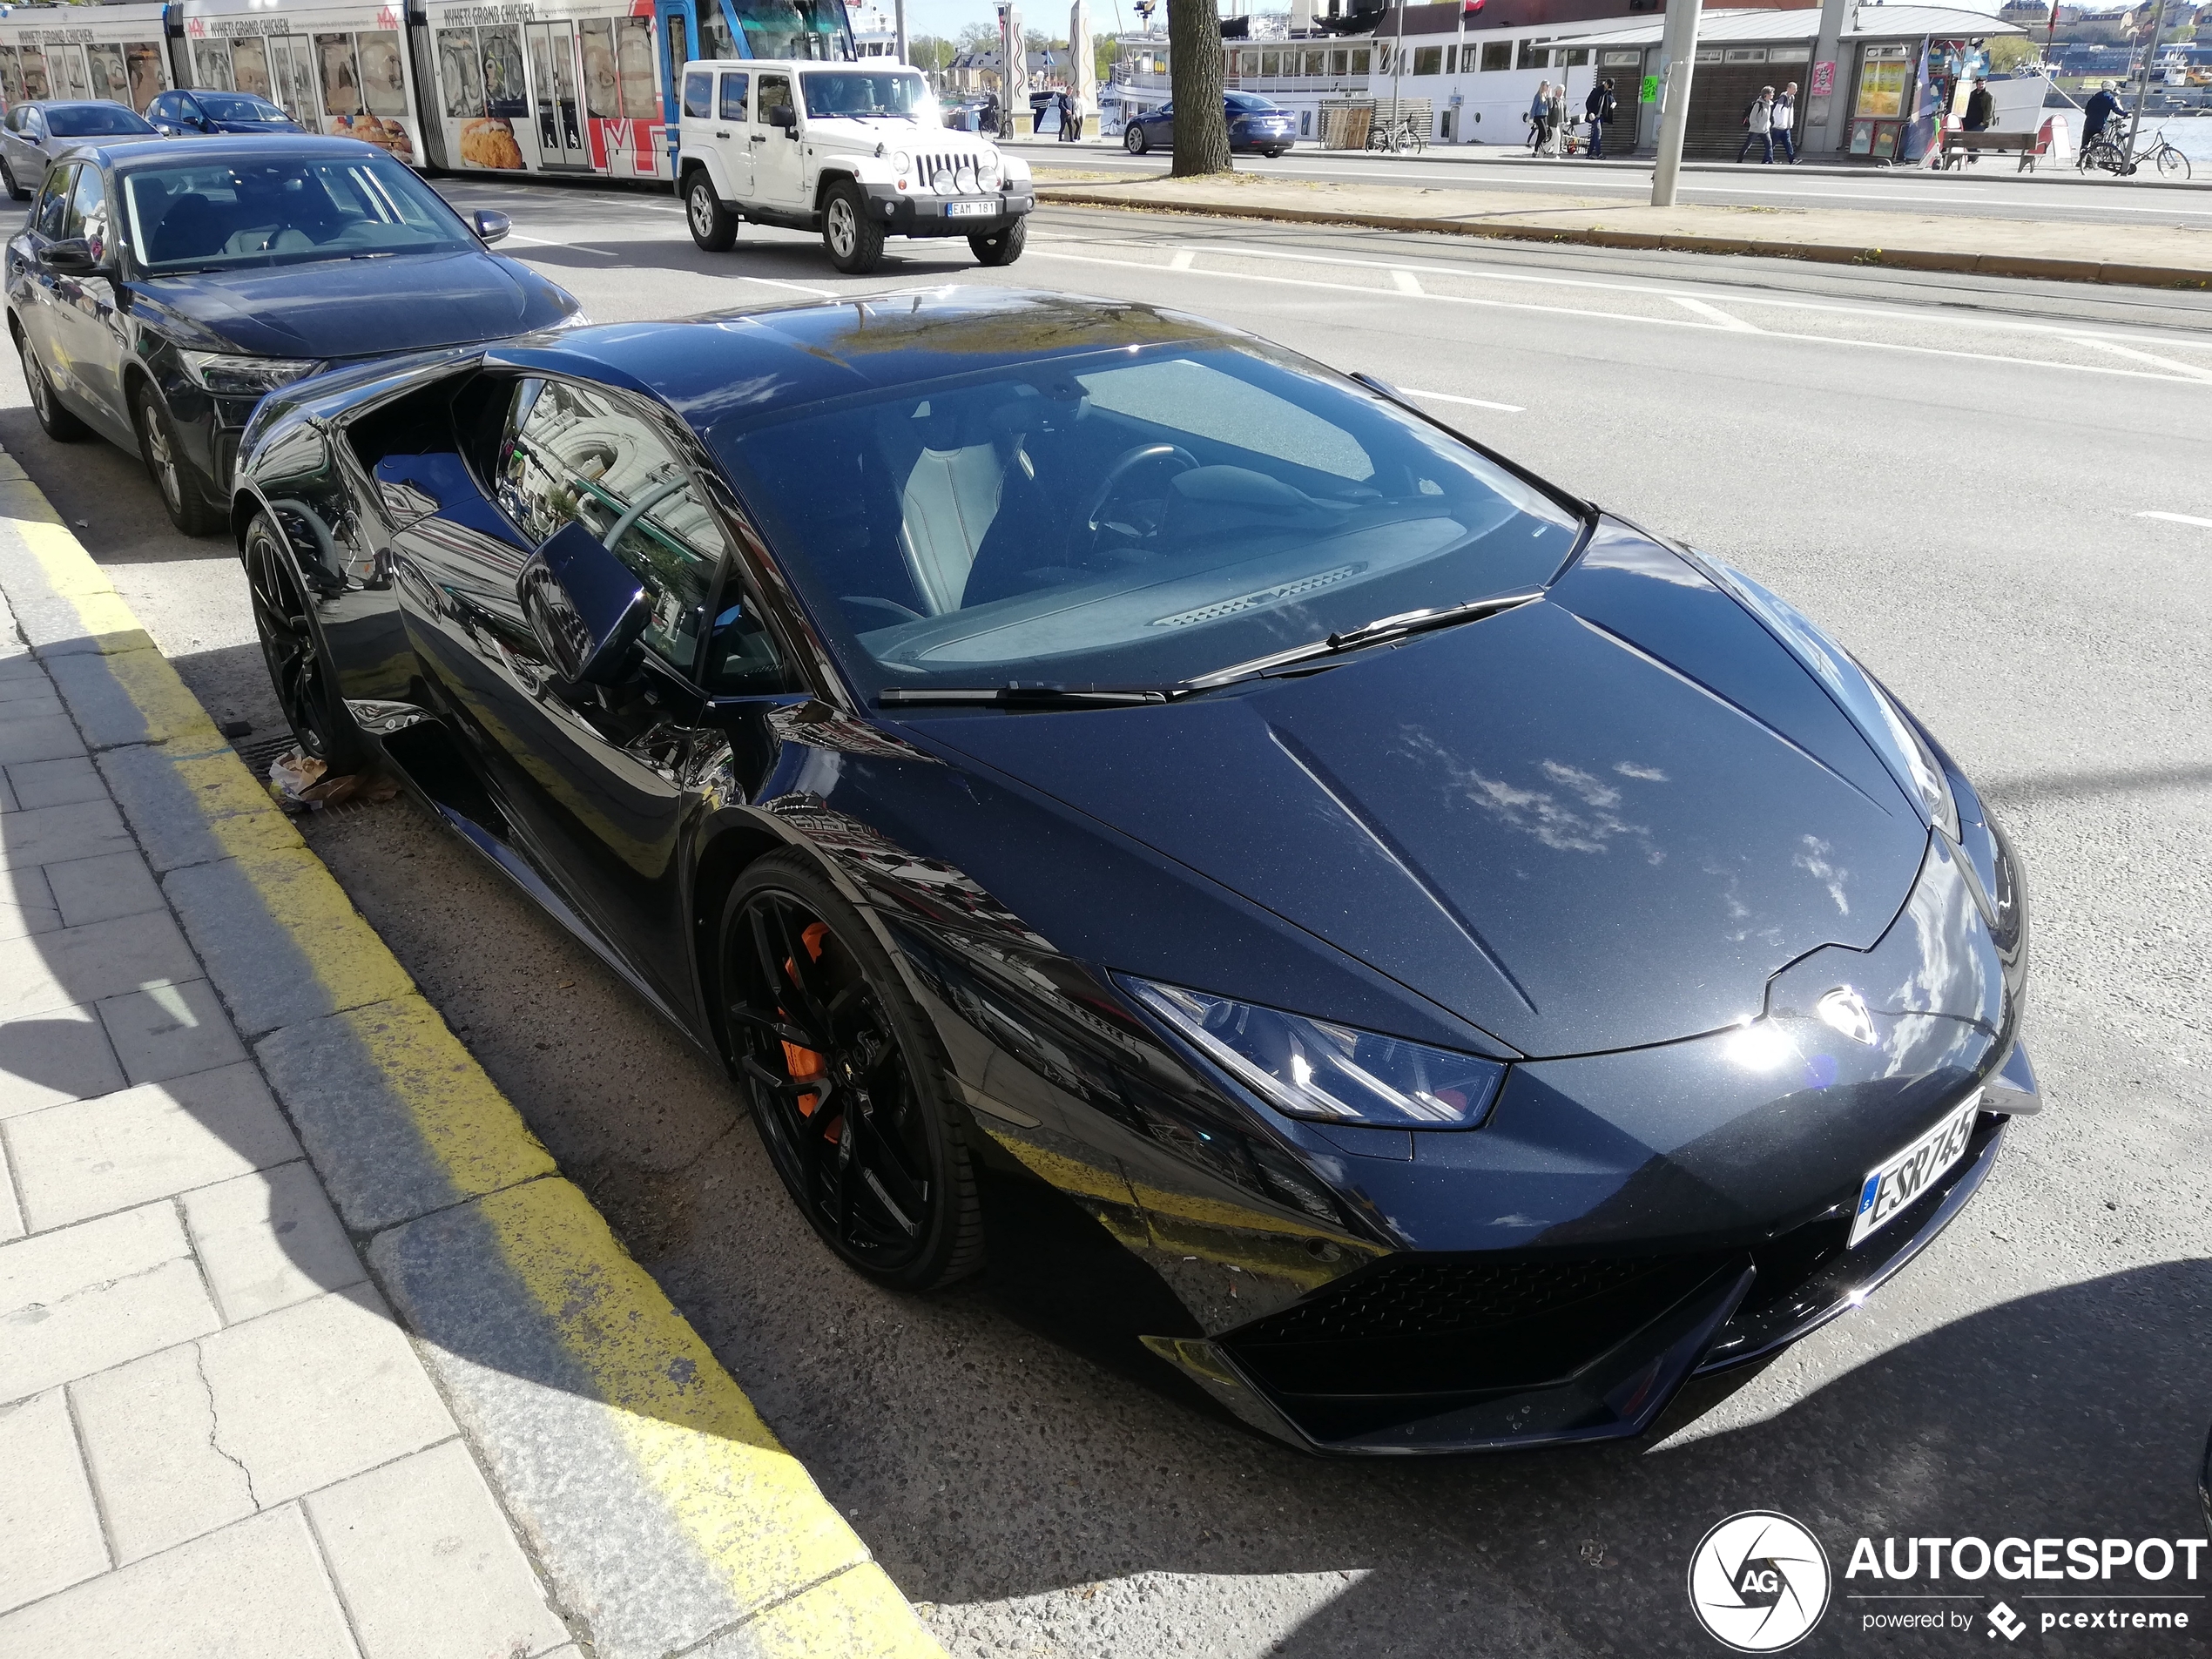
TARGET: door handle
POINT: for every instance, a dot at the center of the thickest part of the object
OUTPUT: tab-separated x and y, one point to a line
719	133
759	137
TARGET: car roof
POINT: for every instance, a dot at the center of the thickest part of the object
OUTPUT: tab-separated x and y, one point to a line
732	367
245	146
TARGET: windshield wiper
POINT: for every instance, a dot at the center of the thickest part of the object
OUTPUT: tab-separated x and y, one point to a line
1401	626
1013	697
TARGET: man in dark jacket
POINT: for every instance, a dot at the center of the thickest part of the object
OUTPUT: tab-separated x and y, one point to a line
1597	110
2099	111
1981	107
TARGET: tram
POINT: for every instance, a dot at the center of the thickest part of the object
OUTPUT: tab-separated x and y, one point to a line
577	87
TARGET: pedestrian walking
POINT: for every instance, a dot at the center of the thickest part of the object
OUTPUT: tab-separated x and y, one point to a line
1758	127
1539	109
1785	122
1981	107
1071	117
1598	110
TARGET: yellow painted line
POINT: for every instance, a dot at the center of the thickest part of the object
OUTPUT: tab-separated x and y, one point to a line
747	1505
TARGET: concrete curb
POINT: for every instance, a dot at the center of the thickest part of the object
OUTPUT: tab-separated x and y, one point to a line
663	1512
2147	276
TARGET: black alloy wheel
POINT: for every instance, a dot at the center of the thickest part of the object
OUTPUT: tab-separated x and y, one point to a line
299	667
854	239
1135	142
1002	246
16	191
55	421
847	1086
175	476
714	227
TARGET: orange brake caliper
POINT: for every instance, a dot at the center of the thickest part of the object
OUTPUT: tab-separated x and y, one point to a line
804	1064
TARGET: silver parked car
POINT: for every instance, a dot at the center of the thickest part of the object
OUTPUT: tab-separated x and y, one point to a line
33	134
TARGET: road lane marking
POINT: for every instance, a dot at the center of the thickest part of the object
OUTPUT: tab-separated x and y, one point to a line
1632	317
797	288
1182	259
1405	280
1471	402
543	241
1714	314
1730	296
2179	518
2190	369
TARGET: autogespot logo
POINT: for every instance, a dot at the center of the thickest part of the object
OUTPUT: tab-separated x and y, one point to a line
1758	1581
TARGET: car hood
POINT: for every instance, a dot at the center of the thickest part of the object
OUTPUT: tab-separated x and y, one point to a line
1601	820
338	309
255	126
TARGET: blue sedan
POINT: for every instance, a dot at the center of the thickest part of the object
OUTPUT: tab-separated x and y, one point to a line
1254	123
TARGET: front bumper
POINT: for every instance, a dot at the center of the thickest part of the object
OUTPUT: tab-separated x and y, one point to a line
908	213
1456	1353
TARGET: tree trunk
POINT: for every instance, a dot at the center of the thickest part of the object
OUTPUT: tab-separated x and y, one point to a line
1194	50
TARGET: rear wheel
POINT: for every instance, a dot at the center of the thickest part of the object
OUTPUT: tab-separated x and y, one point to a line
16	191
1002	246
299	665
54	421
1135	142
172	474
713	226
847	1086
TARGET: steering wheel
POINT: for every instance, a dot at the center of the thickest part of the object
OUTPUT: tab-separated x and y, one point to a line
1123	463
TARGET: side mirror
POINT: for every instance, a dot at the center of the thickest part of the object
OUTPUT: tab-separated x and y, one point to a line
75	257
489	226
585	606
787	118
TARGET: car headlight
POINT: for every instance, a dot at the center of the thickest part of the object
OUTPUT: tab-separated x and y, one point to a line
1331	1073
1878	718
900	161
241	376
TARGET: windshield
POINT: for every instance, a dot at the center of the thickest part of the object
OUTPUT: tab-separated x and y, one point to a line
1247	101
854	92
272	213
89	120
1134	518
238	106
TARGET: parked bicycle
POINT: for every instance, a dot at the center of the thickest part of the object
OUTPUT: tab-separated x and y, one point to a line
1397	139
2108	149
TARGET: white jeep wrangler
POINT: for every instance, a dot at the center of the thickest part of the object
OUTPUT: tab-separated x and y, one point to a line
853	150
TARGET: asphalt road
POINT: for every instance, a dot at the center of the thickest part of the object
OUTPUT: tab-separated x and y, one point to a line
1992	189
1964	483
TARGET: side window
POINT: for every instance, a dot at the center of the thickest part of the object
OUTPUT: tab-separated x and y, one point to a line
699	93
13	119
88	209
775	94
53	202
576	455
733	92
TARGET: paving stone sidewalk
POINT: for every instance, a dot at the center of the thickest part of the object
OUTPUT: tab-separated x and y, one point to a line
214	1439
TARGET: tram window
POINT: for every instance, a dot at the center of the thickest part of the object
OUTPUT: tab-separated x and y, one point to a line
714	33
460	73
634	63
733	92
699	93
602	85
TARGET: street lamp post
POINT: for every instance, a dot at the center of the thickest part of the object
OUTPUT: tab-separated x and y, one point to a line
1679	48
2150	60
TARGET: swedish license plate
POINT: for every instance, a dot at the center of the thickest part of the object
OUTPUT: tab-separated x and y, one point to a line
971	210
1891	1185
